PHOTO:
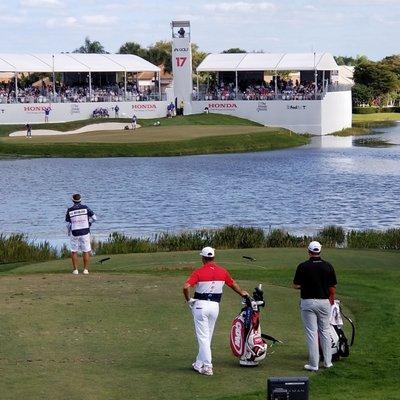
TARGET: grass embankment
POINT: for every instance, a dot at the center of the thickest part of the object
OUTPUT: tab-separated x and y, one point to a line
124	332
364	123
18	248
189	135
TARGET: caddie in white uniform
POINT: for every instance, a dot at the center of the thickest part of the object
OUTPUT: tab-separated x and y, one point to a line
209	281
79	219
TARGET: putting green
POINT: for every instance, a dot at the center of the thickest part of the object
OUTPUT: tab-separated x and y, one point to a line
193	134
144	135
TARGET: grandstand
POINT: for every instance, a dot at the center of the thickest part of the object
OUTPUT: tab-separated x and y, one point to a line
70	82
299	91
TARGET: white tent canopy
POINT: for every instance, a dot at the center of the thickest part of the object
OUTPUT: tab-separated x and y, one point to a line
74	62
268	62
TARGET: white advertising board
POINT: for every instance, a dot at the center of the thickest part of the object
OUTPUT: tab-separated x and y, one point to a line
336	109
63	112
298	116
317	117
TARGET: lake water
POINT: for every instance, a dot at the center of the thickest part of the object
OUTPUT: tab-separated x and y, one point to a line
301	190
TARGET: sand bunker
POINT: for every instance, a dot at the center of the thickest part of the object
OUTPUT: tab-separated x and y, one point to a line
106	126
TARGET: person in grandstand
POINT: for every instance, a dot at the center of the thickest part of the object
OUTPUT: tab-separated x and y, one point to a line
79	218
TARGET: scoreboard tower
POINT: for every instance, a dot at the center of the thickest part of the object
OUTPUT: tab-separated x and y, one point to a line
182	63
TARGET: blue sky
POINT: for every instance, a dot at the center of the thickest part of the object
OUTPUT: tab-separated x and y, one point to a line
342	27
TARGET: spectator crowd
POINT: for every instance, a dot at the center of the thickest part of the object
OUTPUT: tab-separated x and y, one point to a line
76	94
287	90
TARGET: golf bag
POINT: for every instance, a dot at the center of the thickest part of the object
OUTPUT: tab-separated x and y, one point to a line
246	340
340	343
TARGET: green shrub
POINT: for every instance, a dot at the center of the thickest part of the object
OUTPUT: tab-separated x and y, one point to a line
373	239
331	236
238	237
118	243
190	240
365	110
390	110
281	238
17	248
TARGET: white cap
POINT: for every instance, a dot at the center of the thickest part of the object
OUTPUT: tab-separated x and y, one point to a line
315	247
207	252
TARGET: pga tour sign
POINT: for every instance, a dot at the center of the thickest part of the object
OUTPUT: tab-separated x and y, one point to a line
182	68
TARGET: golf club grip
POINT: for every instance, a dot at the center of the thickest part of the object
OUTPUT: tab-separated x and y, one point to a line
271	338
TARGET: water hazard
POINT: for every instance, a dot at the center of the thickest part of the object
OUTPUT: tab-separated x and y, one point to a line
301	190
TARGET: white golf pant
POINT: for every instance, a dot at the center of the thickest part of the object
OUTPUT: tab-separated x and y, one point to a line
205	314
315	314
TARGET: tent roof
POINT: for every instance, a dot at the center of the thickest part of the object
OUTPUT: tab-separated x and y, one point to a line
268	62
221	62
74	62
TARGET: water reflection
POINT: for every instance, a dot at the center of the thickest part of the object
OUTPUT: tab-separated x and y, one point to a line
329	141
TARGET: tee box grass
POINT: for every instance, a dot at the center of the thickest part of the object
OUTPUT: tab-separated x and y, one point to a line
125	332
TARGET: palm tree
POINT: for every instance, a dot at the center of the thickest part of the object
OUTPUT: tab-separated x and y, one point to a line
91	47
133	48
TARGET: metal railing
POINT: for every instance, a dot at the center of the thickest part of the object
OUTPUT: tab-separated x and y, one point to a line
269	97
29	99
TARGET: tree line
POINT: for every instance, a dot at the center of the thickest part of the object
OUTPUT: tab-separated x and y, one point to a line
159	53
377	83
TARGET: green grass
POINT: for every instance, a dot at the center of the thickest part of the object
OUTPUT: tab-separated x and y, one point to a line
124	332
16	248
364	123
196	119
259	141
353	131
377	117
189	135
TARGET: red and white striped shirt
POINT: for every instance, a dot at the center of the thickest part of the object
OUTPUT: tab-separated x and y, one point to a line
210	278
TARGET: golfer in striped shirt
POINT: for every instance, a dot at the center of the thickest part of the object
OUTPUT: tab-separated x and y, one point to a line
208	282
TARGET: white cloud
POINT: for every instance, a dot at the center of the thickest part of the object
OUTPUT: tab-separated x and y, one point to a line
362	3
11	19
68	22
87	20
240	6
98	19
310	7
41	3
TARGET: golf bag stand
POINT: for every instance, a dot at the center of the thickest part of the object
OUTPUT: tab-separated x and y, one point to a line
246	340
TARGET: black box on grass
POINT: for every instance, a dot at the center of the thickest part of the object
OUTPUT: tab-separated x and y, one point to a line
287	388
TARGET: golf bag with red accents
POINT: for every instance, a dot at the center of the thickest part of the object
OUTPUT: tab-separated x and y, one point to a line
246	340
